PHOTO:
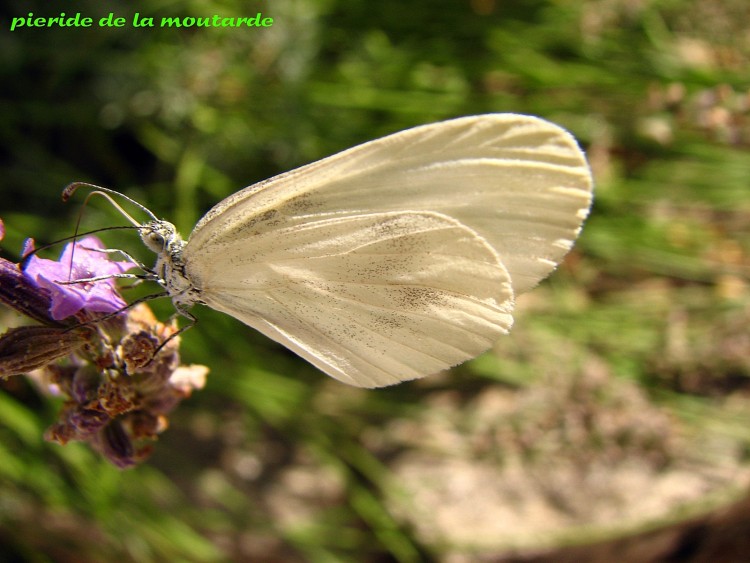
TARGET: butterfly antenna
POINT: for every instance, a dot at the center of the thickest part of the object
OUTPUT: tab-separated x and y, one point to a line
107	194
70	189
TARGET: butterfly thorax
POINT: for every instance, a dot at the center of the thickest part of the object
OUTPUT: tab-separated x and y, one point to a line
162	238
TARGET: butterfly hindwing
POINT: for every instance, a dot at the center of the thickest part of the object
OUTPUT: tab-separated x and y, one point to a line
370	299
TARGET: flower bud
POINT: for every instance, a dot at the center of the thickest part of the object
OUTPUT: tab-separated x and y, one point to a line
27	348
22	294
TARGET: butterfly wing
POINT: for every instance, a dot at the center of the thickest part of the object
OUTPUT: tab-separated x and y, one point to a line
519	182
370	299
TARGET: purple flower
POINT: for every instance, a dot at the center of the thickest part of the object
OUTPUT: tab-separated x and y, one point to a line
69	299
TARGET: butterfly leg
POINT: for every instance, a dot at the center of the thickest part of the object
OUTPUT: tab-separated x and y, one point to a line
184	312
122	254
120	310
142	277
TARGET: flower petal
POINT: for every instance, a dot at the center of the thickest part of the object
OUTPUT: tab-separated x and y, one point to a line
79	261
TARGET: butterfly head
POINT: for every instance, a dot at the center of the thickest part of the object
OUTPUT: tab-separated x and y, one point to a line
160	236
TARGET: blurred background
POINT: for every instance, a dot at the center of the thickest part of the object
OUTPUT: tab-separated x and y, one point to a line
613	423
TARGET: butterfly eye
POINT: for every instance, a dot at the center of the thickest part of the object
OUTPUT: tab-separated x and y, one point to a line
154	240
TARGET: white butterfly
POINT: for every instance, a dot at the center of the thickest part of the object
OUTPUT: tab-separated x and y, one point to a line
394	259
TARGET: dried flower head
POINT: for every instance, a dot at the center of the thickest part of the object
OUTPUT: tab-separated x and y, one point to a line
118	367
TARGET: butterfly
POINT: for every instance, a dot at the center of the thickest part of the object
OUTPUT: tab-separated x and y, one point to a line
394	259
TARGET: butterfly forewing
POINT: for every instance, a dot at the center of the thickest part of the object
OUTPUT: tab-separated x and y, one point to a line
519	182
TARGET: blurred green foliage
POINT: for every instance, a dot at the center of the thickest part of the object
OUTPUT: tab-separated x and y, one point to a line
656	290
